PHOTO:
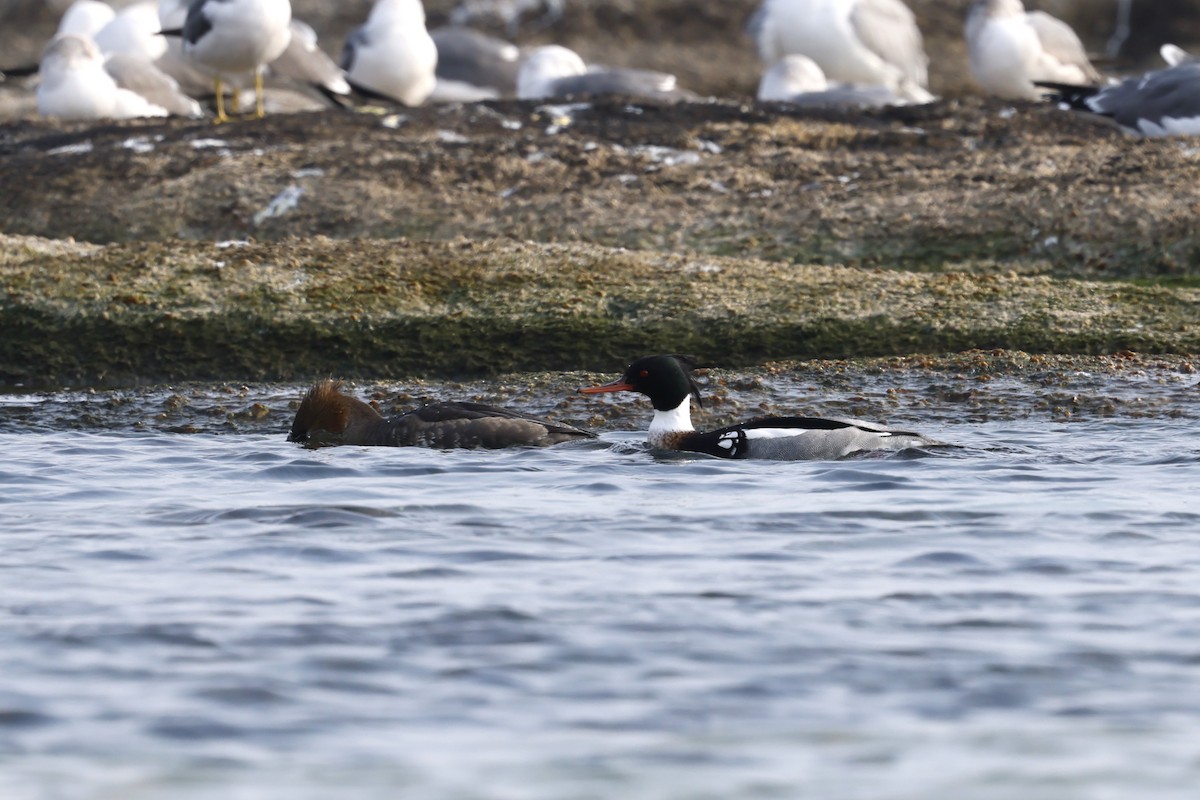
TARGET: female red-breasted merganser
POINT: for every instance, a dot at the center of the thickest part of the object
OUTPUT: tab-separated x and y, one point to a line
326	417
668	382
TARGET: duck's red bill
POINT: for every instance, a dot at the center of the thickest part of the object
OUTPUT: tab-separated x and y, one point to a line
615	386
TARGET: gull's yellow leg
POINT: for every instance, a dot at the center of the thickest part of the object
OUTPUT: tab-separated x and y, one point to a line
237	99
220	102
258	94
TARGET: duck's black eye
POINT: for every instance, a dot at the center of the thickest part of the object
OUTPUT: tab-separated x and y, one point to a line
644	373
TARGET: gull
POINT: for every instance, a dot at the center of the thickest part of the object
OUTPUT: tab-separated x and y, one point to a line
392	54
87	80
302	60
135	30
556	71
509	13
1165	102
85	18
473	66
862	42
144	78
76	85
1010	49
171	16
798	80
233	37
1174	54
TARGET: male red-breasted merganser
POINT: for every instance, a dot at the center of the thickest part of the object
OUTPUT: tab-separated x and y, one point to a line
668	382
326	417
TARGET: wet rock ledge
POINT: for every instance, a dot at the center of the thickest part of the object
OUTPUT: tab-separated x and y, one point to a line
296	309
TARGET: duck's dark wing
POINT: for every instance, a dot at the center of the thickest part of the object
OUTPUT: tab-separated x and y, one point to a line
474	425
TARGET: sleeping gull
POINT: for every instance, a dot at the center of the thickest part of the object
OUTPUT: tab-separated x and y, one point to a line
392	55
76	85
798	80
555	71
473	66
1011	48
1164	102
234	37
863	42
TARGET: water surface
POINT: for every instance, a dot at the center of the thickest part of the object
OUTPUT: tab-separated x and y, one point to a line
222	614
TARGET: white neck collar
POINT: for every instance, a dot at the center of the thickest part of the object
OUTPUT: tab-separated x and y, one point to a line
676	420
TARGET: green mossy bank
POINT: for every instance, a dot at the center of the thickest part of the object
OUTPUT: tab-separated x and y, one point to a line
300	309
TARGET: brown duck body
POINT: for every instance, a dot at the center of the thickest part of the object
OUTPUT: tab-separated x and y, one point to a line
327	417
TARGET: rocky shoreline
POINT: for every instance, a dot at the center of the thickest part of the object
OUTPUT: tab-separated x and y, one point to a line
295	310
473	240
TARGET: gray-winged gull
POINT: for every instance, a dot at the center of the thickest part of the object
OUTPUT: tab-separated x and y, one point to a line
555	71
76	85
233	37
798	80
116	49
1010	49
392	55
862	42
1165	102
474	66
302	60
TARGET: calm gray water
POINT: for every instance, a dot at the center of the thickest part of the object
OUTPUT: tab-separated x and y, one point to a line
225	615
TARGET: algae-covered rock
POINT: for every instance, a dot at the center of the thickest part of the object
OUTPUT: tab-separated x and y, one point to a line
298	309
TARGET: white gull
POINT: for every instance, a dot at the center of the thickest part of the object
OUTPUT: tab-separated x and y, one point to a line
135	31
75	85
302	61
392	55
862	42
1010	49
85	18
228	38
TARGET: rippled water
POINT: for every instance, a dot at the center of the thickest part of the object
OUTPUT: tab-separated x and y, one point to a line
230	616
